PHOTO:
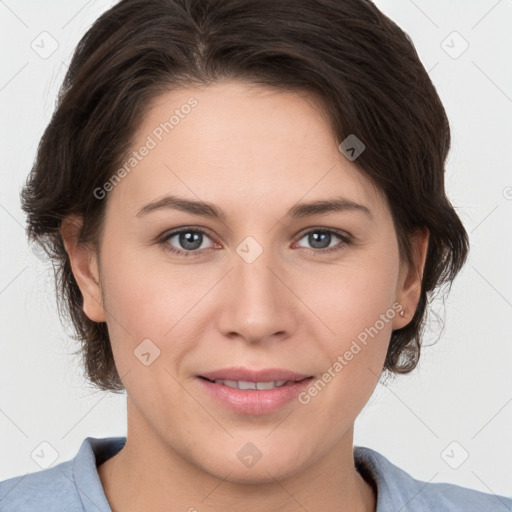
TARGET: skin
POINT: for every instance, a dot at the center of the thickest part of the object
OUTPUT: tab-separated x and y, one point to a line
254	152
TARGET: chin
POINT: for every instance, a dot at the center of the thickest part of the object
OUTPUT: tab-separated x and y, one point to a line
247	462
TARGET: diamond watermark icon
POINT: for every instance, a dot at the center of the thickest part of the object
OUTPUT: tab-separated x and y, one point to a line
249	455
44	455
44	45
38	252
455	455
352	147
454	45
249	249
146	352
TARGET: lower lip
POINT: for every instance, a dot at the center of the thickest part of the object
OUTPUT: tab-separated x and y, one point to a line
254	401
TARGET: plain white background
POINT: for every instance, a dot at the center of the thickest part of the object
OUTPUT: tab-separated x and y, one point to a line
456	404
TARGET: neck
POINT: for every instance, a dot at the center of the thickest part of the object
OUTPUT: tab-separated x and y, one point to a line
148	474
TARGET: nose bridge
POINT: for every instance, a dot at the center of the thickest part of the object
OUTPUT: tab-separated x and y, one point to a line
255	280
258	304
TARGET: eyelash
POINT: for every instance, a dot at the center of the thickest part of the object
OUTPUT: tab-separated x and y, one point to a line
346	240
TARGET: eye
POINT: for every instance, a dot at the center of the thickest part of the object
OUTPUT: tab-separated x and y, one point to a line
191	241
321	240
187	240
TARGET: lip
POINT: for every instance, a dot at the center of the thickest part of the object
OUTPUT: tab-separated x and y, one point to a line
253	401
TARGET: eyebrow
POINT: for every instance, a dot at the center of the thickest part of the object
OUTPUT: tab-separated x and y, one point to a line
339	204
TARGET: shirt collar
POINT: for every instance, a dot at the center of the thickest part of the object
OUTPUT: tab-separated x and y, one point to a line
91	454
396	490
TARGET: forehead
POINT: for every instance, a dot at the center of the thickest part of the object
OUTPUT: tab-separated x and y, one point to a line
238	144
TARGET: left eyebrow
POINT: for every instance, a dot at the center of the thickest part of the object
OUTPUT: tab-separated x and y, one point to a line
339	204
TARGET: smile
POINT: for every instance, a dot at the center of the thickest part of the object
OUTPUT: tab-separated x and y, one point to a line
255	397
243	384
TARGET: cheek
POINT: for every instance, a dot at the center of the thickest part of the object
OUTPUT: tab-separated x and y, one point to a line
350	297
153	300
357	305
145	289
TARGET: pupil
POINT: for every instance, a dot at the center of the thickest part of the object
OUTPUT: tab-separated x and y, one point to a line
322	236
189	240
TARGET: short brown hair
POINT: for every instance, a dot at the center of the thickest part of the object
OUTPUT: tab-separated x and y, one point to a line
359	63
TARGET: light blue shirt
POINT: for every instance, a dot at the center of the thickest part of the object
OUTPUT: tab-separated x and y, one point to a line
74	486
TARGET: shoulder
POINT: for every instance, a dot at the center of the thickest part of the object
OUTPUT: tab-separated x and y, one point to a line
44	490
398	490
73	485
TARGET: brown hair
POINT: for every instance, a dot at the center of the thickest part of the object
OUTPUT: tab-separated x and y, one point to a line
359	63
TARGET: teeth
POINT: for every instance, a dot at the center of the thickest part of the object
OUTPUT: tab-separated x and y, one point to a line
242	384
270	385
246	385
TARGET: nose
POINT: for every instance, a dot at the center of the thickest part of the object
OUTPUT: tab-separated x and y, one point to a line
258	305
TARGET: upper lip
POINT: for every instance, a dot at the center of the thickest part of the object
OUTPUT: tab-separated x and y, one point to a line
248	375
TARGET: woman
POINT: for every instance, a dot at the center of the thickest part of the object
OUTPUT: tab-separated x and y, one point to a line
245	204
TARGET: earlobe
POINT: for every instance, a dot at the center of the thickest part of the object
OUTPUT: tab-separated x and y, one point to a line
409	286
84	265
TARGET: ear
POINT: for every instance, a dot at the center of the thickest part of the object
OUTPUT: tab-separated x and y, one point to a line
84	265
409	283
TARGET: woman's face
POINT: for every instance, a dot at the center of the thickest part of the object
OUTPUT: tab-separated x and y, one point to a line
267	283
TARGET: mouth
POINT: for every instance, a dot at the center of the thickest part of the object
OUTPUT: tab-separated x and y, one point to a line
244	374
253	392
245	385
